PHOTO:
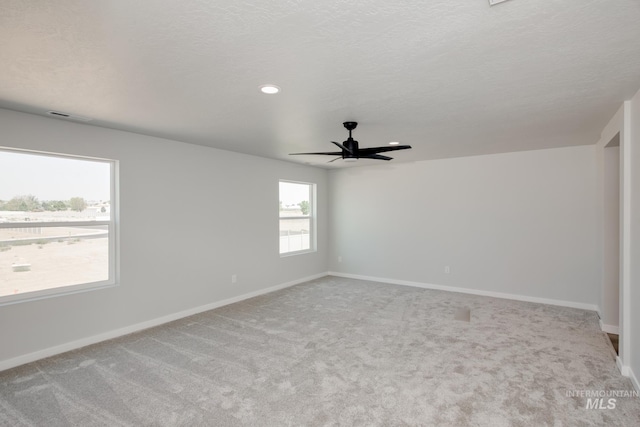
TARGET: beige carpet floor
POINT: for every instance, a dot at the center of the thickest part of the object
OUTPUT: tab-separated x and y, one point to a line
336	352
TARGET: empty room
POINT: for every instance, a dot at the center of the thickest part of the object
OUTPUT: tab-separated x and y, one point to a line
221	213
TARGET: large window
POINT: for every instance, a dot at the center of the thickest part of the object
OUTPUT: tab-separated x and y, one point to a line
57	224
297	217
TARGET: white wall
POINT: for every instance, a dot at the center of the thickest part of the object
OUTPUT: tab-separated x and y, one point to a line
191	217
634	333
517	223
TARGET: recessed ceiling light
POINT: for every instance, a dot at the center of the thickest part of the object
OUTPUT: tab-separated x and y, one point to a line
269	89
394	143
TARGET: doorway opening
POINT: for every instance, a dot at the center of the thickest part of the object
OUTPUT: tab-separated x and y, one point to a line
611	242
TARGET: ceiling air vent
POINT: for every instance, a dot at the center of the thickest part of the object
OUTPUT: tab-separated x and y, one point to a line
61	115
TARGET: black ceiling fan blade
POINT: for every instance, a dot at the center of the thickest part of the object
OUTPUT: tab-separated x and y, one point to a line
328	153
374	150
376	157
342	147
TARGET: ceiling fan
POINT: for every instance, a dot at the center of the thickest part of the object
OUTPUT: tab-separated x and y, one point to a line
350	151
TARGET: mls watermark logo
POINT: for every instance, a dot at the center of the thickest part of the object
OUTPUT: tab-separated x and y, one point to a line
601	403
602	399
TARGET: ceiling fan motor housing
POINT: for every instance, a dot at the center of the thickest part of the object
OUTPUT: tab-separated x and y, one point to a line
351	145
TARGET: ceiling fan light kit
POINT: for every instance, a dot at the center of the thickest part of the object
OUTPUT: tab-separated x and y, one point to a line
351	151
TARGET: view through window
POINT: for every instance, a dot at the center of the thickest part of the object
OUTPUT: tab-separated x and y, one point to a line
296	217
56	224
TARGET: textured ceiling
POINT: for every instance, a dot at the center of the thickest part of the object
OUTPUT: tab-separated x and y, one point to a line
450	77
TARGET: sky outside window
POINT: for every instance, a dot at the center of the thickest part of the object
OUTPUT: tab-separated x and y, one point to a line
292	194
52	178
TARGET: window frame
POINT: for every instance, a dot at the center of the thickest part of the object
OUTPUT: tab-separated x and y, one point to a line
311	217
112	233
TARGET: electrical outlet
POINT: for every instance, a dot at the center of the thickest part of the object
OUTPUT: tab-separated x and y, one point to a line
339	259
447	269
234	278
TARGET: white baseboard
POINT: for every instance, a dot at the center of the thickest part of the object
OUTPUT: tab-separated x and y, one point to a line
73	345
623	369
634	380
626	371
562	303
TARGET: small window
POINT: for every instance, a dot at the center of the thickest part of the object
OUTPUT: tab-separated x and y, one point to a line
57	224
297	217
